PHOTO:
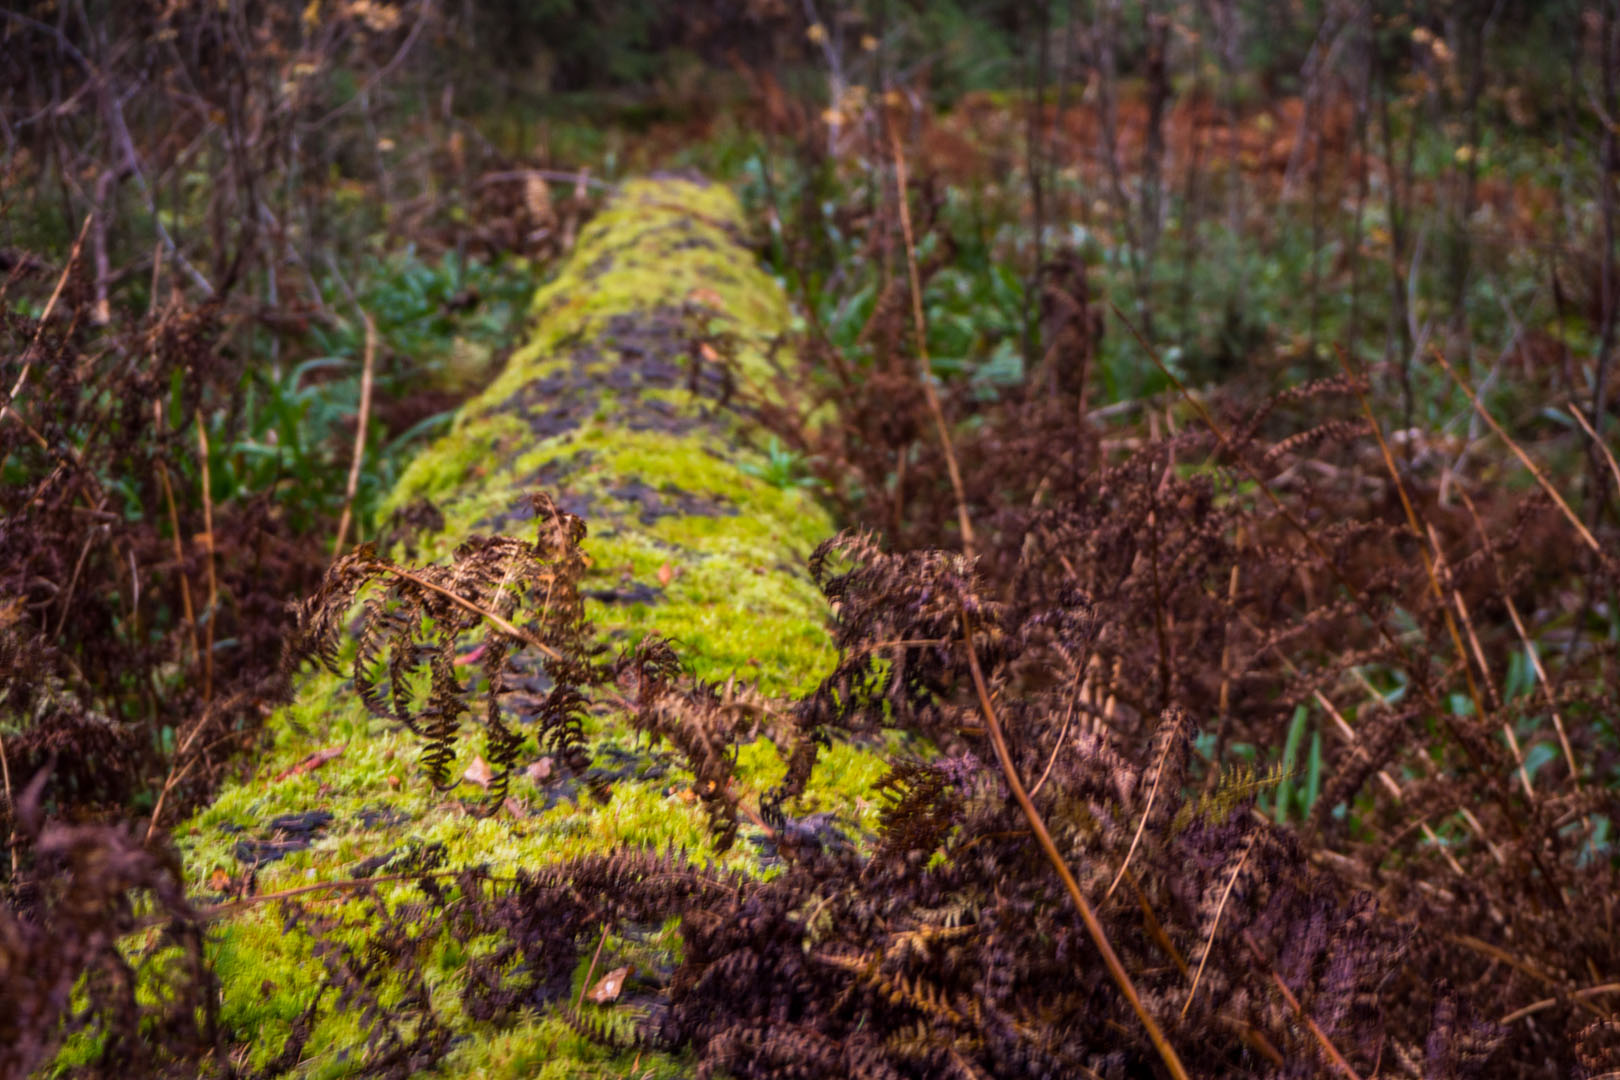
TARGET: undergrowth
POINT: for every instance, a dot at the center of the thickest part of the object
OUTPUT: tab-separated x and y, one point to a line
1132	613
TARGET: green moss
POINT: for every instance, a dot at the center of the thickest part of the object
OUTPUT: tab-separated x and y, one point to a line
454	462
734	596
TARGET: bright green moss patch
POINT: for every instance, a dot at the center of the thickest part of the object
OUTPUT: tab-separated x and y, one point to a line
457	461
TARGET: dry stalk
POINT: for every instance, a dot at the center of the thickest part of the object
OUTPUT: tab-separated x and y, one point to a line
208	542
1416	525
361	426
1586	426
1215	926
920	327
11	807
502	624
1158	775
1094	928
1529	647
1518	451
1548	1003
8	406
179	552
1322	1040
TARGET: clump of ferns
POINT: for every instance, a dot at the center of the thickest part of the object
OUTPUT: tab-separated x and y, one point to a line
414	621
957	921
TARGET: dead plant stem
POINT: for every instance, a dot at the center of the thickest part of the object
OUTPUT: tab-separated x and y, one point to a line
1518	451
367	372
1586	426
1322	1040
467	605
920	327
208	544
1094	928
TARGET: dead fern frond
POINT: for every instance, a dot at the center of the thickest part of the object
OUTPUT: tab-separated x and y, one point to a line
415	620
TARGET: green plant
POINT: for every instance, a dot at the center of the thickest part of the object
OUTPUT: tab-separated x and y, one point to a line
782	467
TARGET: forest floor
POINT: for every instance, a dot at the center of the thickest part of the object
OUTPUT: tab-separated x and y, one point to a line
1219	666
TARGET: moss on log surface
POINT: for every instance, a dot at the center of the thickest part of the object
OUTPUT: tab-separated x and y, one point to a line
618	404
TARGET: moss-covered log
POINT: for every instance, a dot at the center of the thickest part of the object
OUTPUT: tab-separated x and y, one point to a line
620	405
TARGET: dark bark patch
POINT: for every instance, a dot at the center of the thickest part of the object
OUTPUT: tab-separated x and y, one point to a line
667	500
284	835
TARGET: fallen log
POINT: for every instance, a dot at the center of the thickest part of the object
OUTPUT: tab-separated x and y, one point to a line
625	404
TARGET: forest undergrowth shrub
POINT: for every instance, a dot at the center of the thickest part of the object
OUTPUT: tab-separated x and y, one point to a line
1452	663
1434	683
143	621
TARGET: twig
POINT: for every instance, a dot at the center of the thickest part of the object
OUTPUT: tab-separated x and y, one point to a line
1518	451
1158	775
208	542
8	406
1496	952
176	773
179	552
1413	522
1586	425
119	129
1094	928
1529	648
361	425
920	327
11	807
169	782
221	910
557	175
1547	1003
1063	733
1322	1040
1209	945
424	10
1154	928
73	581
592	969
1496	698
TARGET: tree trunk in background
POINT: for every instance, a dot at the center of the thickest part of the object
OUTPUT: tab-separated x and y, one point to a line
624	404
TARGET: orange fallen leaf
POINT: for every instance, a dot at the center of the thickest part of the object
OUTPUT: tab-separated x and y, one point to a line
515	807
708	352
608	987
314	761
540	771
478	772
708	297
666	574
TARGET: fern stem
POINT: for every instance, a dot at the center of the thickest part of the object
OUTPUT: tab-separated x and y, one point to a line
501	624
1121	978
